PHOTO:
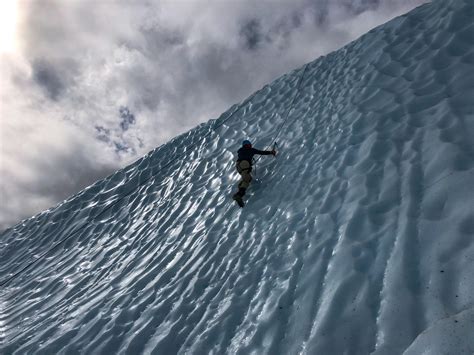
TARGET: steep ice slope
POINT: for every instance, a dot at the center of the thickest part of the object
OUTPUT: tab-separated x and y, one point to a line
358	238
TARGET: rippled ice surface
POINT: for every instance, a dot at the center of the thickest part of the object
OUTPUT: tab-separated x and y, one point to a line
357	238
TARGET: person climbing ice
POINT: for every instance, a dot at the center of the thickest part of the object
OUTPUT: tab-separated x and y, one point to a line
244	167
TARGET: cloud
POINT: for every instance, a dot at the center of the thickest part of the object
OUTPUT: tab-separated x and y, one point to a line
54	79
251	32
48	162
97	84
127	117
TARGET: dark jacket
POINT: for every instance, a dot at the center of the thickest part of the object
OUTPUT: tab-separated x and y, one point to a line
248	153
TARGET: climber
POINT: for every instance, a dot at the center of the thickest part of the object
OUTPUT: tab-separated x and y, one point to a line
244	167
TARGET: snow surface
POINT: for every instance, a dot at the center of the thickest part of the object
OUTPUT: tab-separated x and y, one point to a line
358	238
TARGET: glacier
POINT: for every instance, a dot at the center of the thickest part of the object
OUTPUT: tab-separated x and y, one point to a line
358	238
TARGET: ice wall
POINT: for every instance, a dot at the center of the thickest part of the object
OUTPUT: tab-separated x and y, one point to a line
358	238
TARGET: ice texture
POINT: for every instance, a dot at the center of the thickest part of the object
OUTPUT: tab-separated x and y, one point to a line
357	238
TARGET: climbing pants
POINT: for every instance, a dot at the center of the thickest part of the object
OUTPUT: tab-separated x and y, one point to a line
244	168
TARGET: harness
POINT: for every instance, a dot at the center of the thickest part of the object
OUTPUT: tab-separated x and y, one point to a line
250	163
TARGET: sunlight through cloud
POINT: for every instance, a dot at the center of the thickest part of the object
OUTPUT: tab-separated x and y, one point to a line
8	25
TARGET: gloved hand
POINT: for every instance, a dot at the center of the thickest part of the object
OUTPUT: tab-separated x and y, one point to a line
274	152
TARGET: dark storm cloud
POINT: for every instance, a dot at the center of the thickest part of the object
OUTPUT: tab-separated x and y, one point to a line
360	6
251	33
102	82
161	39
46	76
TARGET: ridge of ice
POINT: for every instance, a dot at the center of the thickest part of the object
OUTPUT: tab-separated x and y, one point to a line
358	238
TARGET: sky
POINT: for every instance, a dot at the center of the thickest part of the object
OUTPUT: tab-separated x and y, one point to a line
87	87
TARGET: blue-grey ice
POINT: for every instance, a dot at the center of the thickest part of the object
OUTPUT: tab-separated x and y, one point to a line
358	238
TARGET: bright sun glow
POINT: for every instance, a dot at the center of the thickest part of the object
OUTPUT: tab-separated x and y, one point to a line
8	23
